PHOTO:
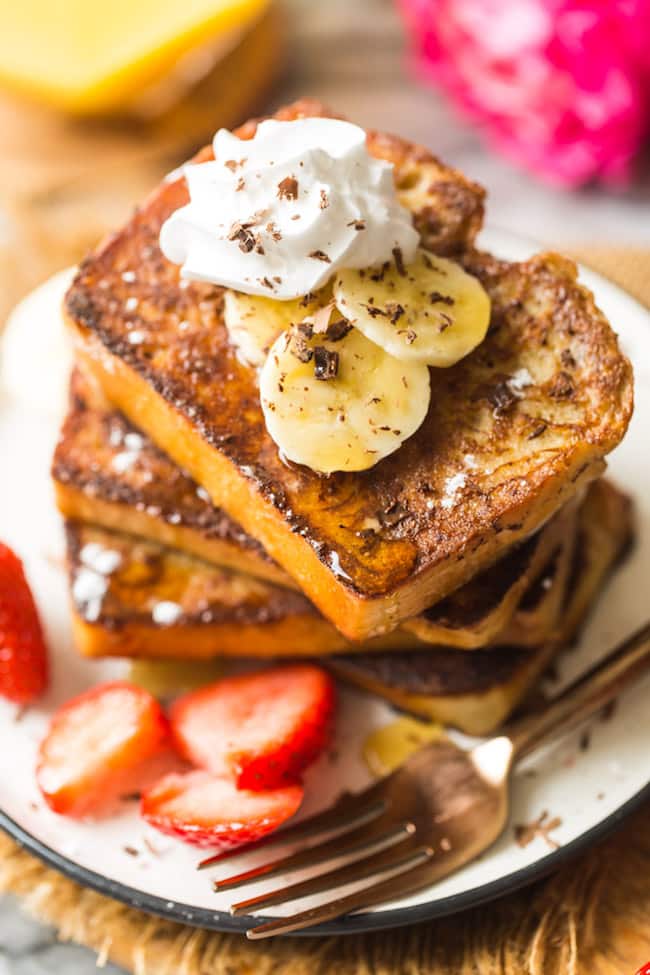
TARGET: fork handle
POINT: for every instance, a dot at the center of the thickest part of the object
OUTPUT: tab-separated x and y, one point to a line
588	694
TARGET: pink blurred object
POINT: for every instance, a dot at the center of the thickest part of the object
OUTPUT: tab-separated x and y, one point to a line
561	86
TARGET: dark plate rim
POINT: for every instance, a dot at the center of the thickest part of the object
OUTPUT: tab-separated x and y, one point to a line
353	924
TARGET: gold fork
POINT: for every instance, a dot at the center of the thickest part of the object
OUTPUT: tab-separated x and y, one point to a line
437	812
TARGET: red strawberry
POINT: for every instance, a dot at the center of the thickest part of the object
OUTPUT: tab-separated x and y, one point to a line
644	970
262	729
99	746
23	654
207	810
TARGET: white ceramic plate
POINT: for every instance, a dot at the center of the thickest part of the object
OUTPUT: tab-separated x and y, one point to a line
588	790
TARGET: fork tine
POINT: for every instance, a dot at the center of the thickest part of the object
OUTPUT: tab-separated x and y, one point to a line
337	871
344	816
354	835
379	888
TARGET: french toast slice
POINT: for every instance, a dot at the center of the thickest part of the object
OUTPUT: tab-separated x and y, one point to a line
516	428
495	681
474	692
135	598
106	473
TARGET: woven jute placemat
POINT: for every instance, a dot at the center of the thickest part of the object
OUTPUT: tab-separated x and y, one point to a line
592	917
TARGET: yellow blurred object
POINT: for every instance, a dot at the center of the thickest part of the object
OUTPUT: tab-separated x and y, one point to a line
163	678
388	747
89	58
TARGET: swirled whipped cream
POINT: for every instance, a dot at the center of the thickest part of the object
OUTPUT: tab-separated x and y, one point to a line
278	214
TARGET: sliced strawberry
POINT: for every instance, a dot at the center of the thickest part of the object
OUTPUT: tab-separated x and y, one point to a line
207	810
98	748
262	729
23	654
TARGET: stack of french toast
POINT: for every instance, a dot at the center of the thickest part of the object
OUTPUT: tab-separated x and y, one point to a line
446	576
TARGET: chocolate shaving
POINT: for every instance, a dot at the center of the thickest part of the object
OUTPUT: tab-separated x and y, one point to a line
395	311
326	363
305	329
379	275
324	200
288	188
436	298
445	323
300	349
399	261
246	238
337	330
266	283
542	826
320	256
357	224
561	386
307	300
273	231
233	164
376	312
501	398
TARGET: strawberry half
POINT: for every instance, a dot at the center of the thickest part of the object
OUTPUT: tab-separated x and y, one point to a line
23	654
261	729
99	746
209	811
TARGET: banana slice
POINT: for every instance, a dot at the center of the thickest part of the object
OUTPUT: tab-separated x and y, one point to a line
254	323
338	402
430	311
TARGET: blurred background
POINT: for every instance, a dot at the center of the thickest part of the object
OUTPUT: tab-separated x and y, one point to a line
545	102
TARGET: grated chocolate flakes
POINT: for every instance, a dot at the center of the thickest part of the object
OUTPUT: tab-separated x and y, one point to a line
326	363
399	261
436	298
337	330
288	188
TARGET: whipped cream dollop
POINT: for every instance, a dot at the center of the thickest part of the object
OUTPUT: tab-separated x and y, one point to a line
278	214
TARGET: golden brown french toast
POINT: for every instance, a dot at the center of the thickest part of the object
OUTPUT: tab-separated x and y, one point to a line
474	692
136	598
486	686
535	407
106	473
